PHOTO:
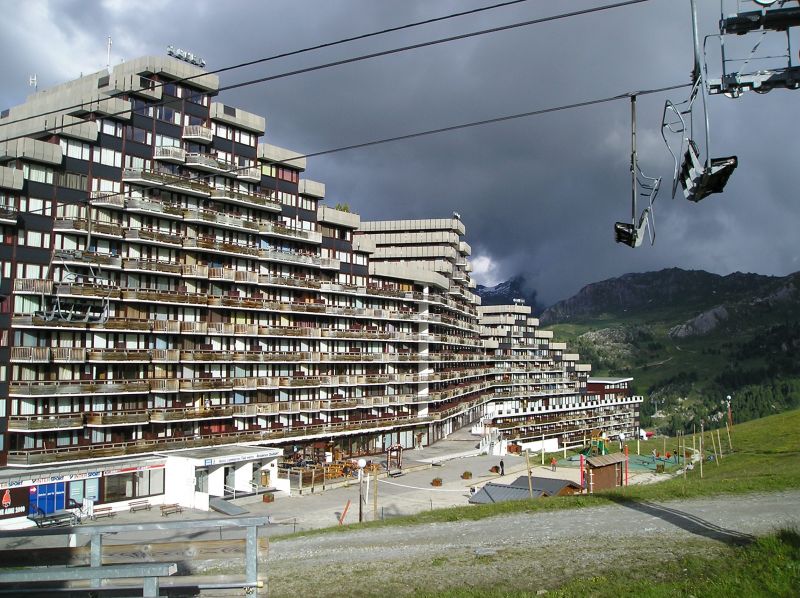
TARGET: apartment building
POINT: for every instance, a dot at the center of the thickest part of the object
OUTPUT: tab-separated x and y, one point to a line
179	309
542	395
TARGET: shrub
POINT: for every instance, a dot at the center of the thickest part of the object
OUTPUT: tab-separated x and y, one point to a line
436	482
467	475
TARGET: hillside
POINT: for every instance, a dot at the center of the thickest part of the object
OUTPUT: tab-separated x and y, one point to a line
690	338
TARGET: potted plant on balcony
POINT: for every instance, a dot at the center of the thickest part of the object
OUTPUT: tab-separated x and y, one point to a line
436	482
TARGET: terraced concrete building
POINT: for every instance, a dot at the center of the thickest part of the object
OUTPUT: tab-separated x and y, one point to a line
542	394
179	309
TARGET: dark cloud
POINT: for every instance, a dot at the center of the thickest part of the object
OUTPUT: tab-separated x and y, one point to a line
539	195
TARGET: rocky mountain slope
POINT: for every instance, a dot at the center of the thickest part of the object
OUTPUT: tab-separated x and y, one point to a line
690	339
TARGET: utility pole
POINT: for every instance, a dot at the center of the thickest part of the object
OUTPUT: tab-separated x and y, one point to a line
530	481
702	456
375	497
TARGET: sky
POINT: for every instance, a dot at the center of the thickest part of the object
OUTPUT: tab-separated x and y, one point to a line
539	196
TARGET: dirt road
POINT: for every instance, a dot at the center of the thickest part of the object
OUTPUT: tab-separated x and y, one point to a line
535	551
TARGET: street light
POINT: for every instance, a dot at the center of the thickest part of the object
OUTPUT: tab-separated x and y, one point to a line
362	463
730	414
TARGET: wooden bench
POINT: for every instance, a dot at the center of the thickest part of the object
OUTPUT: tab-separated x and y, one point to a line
139	505
102	512
170	509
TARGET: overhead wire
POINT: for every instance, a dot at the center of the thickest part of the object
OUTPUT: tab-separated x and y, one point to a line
369	56
283	55
418	134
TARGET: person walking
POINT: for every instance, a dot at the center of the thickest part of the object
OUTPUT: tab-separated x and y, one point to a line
502	468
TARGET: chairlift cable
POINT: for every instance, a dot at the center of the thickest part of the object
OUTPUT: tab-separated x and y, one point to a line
418	134
287	54
354	59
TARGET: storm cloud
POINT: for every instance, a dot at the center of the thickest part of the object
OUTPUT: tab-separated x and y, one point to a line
538	195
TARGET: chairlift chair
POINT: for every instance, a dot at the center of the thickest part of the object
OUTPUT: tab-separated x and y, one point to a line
69	309
632	233
761	17
698	178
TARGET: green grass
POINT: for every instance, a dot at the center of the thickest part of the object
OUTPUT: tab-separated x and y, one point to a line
770	566
766	458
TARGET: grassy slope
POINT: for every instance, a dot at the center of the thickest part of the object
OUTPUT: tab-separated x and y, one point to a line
765	458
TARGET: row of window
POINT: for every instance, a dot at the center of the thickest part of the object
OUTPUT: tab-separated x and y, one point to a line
280	172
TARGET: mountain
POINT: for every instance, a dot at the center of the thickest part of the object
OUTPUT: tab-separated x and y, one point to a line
505	293
689	339
673	289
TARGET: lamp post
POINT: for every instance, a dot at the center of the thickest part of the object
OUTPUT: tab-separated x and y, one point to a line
362	463
730	413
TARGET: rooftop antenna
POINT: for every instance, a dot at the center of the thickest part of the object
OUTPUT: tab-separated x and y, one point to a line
33	82
108	55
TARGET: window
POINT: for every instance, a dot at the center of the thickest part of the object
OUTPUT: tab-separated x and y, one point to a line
168	114
73	180
137	163
75	149
142	107
222	131
131	485
138	135
39	174
287	174
107	156
166	141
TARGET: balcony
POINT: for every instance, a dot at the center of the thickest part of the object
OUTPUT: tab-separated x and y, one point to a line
219	219
157	296
165	355
175	155
44	423
118	356
106	199
78	256
30	354
126	418
198	134
68	354
249	174
206	162
248	200
166	180
173	415
278	230
133	265
152	236
37	286
220	247
146	206
95	387
80	224
194	271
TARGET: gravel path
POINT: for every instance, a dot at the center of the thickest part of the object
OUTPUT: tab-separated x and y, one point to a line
540	549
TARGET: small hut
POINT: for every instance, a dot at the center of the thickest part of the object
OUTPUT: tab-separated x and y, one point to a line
605	471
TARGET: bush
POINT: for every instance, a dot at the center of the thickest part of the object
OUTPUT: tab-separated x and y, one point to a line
436	482
467	475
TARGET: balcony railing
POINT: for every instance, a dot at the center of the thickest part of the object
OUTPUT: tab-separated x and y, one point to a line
169	153
126	418
198	133
247	199
185	184
97	387
25	423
